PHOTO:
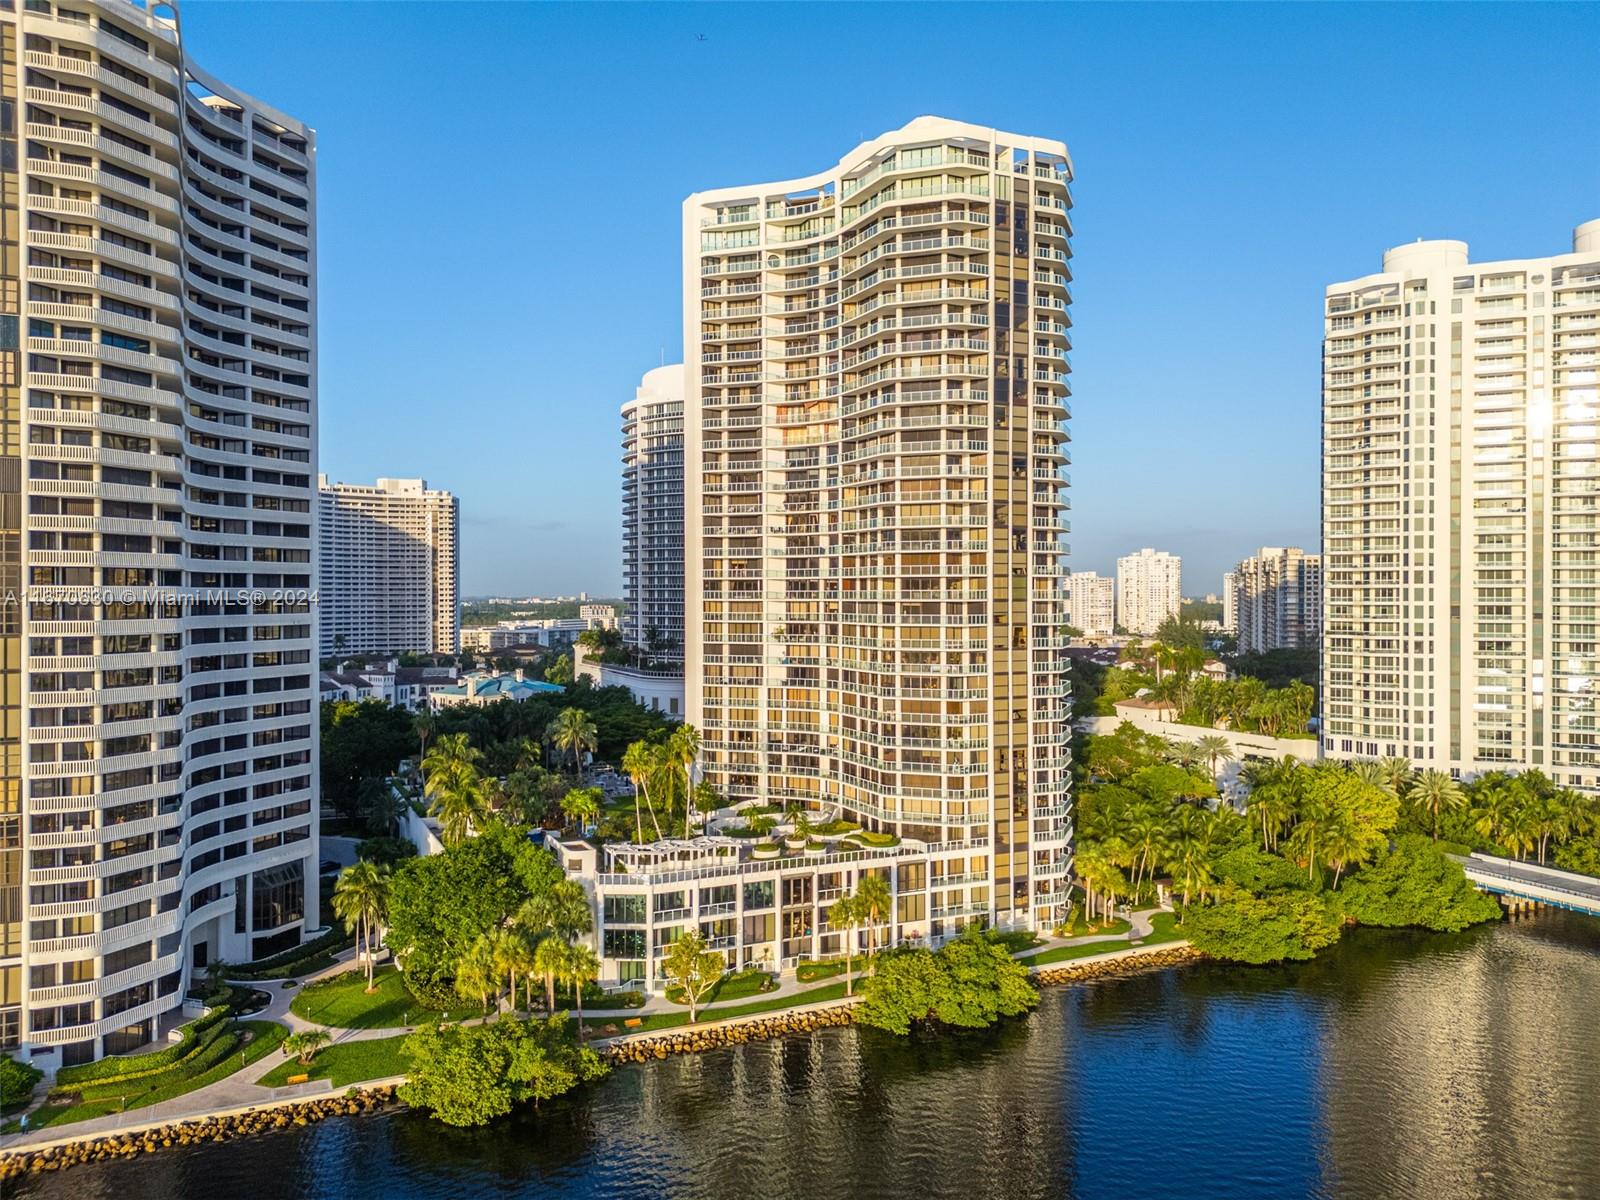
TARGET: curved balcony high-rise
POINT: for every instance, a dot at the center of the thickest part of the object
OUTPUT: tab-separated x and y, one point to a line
875	436
157	487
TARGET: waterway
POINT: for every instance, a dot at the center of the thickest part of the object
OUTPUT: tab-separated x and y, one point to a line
1395	1065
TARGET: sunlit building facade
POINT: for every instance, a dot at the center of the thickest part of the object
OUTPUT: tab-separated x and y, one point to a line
157	467
1461	483
875	436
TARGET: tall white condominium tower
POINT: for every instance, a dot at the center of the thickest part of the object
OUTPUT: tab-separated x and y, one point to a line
1460	485
1092	606
157	455
389	568
875	431
1275	597
652	515
1149	589
1230	608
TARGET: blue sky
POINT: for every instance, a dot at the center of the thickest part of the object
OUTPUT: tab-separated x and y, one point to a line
499	190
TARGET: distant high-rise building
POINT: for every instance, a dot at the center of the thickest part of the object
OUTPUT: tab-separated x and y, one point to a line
158	409
1230	611
389	568
652	515
1149	590
1091	603
1461	476
1275	598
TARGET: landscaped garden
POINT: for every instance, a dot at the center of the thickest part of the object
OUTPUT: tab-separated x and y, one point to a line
739	986
343	1001
344	1063
212	1048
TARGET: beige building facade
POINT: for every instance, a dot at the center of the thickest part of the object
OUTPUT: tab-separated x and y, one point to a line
1275	600
876	400
1092	603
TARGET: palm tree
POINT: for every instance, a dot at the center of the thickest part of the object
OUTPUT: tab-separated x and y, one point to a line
581	806
1434	792
1397	774
477	974
1369	770
1189	849
305	1044
513	953
459	797
1519	833
872	894
1095	871
1147	834
1309	834
360	898
1215	748
637	763
550	960
528	754
574	732
683	747
425	724
1341	846
845	913
450	750
1185	754
1495	802
562	909
582	969
1272	798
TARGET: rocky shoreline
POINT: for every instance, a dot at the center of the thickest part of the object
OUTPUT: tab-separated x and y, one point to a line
638	1048
692	1040
1134	964
193	1132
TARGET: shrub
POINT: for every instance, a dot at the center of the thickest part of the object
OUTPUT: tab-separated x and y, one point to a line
970	983
16	1080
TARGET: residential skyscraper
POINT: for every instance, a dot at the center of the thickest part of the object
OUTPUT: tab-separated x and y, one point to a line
1230	610
1149	590
874	428
1275	598
1461	421
652	515
157	458
390	565
1091	603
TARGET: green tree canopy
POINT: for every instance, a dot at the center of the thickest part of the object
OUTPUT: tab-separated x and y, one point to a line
470	1074
1415	884
970	983
440	904
1268	928
361	741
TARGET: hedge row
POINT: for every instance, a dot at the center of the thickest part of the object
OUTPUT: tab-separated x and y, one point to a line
280	965
216	1043
133	1066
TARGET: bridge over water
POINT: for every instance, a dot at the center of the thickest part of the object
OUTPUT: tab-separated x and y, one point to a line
1528	881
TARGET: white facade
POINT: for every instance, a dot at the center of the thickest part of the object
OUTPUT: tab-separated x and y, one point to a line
1092	604
652	515
875	430
1275	600
390	565
157	441
1460	485
1149	590
1230	610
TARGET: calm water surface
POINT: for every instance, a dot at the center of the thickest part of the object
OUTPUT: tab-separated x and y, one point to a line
1398	1065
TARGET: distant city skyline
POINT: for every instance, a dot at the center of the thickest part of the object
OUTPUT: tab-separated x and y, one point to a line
1218	190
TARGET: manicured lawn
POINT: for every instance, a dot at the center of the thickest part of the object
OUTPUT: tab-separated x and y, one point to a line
1163	928
218	1060
832	991
344	1003
731	987
1082	928
346	1063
